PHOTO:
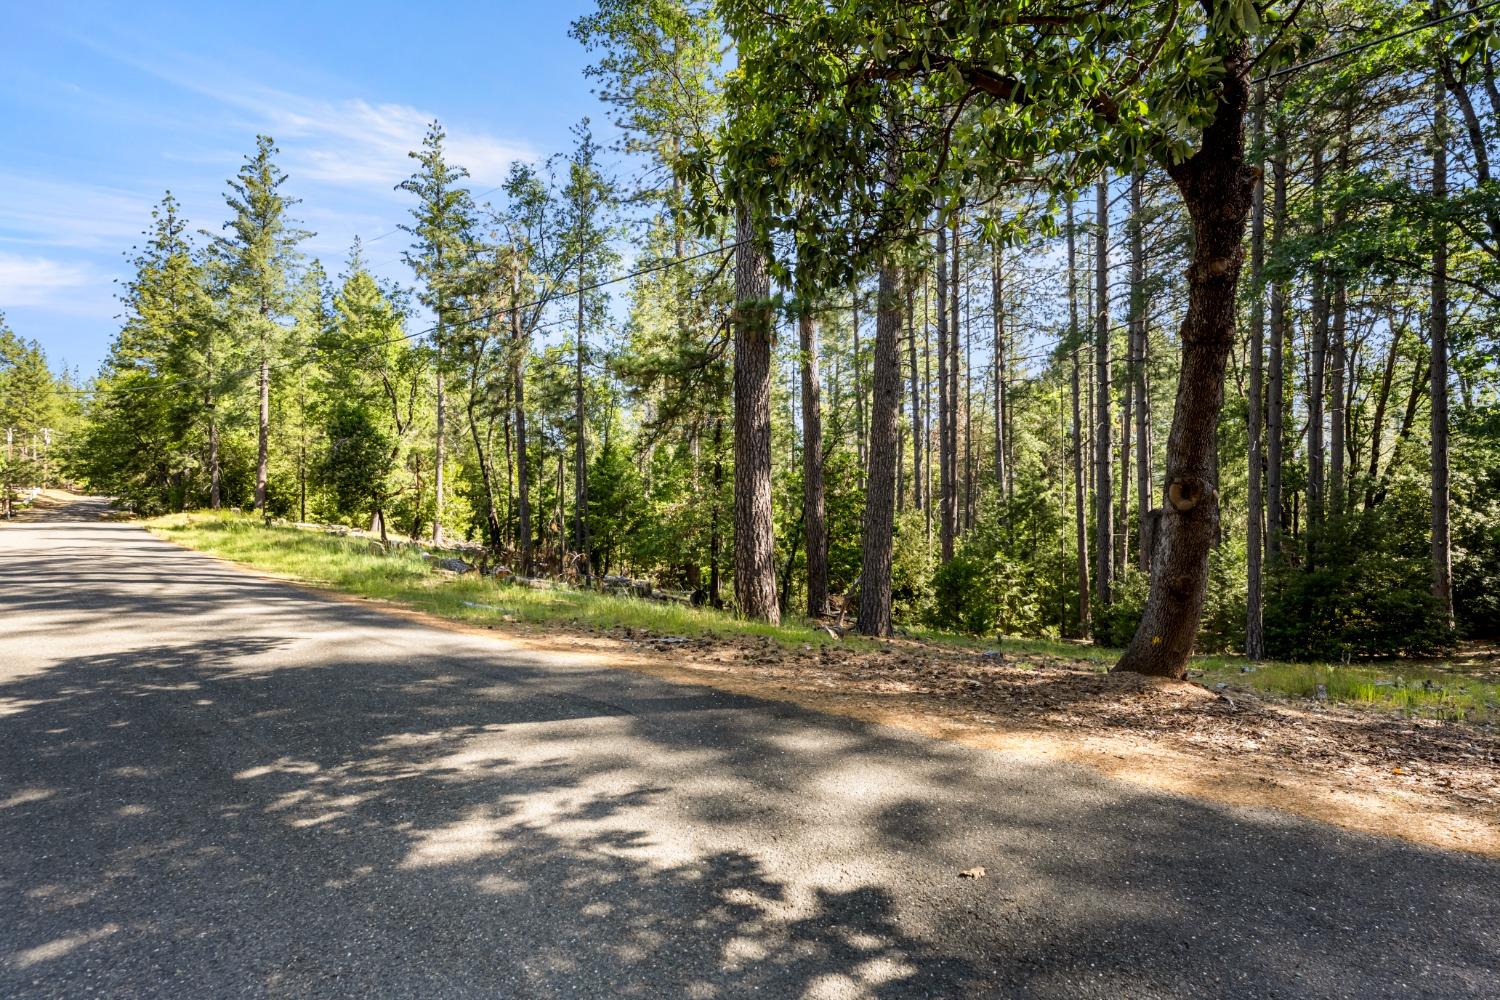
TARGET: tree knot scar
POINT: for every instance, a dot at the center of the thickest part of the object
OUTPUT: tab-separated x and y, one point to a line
1185	494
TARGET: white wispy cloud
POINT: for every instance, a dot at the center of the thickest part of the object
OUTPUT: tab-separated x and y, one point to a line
35	281
346	141
42	211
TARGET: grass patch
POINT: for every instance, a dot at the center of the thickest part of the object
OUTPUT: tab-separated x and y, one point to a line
1415	690
403	576
349	564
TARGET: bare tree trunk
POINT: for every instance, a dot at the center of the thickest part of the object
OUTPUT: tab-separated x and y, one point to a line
968	519
1104	514
1276	402
215	497
264	439
917	429
812	468
1138	374
1340	349
998	308
860	440
945	486
1442	557
1216	187
953	379
1255	638
754	538
1316	476
523	460
880	500
442	440
580	448
1079	487
1382	403
715	598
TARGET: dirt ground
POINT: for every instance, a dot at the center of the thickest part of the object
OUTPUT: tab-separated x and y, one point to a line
1429	782
1432	783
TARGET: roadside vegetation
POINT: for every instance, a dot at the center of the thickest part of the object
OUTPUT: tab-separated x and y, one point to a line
406	575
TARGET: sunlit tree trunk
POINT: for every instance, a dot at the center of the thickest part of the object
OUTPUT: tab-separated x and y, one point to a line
754	538
1216	187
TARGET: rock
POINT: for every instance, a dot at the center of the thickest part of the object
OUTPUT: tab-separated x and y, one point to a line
452	565
377	548
641	588
502	571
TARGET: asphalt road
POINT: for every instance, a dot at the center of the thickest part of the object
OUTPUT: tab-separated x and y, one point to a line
216	786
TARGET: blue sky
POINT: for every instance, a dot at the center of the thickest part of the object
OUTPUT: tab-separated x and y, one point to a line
103	106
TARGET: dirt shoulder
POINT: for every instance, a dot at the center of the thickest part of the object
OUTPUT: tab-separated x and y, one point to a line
1428	782
1431	783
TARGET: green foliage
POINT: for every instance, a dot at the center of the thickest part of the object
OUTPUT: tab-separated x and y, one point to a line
1369	593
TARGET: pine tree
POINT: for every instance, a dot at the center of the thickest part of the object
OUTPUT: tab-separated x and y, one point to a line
259	260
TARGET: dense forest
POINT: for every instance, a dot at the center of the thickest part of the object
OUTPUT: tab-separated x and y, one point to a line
1170	326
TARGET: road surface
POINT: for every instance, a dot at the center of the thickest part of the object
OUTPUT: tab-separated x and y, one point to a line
212	785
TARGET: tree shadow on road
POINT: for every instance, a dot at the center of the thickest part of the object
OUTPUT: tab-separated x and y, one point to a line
259	815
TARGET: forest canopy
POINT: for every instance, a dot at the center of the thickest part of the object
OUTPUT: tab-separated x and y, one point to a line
1167	326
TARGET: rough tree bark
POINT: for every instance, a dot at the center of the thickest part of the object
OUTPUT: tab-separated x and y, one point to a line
1255	637
1080	520
1275	394
945	486
953	380
1104	513
812	467
754	539
918	432
880	484
1216	186
997	289
1138	373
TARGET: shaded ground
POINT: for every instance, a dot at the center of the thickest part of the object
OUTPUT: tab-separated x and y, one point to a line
1434	782
213	784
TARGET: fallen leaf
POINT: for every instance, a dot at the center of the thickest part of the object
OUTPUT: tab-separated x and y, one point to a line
976	872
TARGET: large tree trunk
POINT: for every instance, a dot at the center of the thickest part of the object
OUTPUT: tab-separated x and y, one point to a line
880	489
754	538
1104	513
860	439
1216	186
918	431
812	468
1255	638
953	380
945	488
1442	557
1276	400
1080	516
